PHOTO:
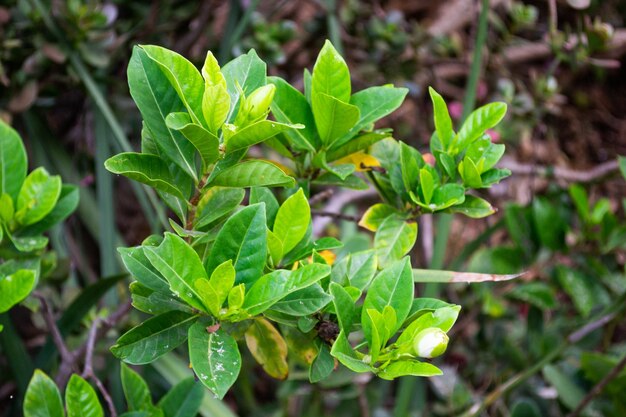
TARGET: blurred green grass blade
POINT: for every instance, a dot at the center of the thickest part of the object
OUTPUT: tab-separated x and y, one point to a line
174	370
235	27
104	193
74	314
334	28
15	353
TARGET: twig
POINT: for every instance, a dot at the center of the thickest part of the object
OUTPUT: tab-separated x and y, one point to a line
321	196
337	203
339	216
598	388
67	357
88	368
566	174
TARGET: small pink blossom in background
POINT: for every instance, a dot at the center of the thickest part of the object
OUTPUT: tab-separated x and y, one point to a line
455	108
481	91
495	135
429	159
87	181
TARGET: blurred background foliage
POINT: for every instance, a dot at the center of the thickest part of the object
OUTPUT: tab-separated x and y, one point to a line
535	346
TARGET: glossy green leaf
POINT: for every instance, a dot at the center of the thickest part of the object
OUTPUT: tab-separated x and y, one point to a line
356	144
373	103
156	98
28	243
357	269
303	302
409	167
268	348
265	195
427	185
256	133
345	307
65	205
215	290
447	195
246	71
183	400
474	207
81	399
145	168
330	75
139	266
470	173
409	367
182	75
242	240
180	265
322	365
253	174
292	220
215	106
393	287
135	389
15	287
443	123
153	338
347	356
291	107
272	287
42	398
351	181
215	203
480	120
333	117
442	318
205	142
394	238
153	302
214	357
37	197
13	161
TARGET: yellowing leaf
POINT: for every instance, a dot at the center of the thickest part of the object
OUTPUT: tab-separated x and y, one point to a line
361	160
268	348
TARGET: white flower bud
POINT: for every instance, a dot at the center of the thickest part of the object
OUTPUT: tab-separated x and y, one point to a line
430	343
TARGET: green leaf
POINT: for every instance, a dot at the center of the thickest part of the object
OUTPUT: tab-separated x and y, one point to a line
153	338
183	400
373	103
268	348
483	149
409	367
442	318
215	290
322	365
331	75
357	269
333	117
138	264
203	140
145	168
290	107
375	215
525	408
276	285
242	240
135	389
7	209
394	239
303	302
66	204
15	287
345	307
215	203
443	123
480	120
37	197
470	173
28	243
421	306
246	71
211	71
351	181
347	356
448	195
549	223
357	144
156	98
81	399
265	195
183	76
292	220
474	207
180	265
256	133
577	286
13	161
409	167
214	357
536	293
42	397
152	302
427	185
393	287
253	174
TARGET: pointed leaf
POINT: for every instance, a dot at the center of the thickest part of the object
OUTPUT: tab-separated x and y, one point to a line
409	367
480	120
443	123
246	71
256	133
42	398
81	399
37	197
292	220
183	400
333	117
205	142
13	162
253	174
15	287
268	348
394	239
135	389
